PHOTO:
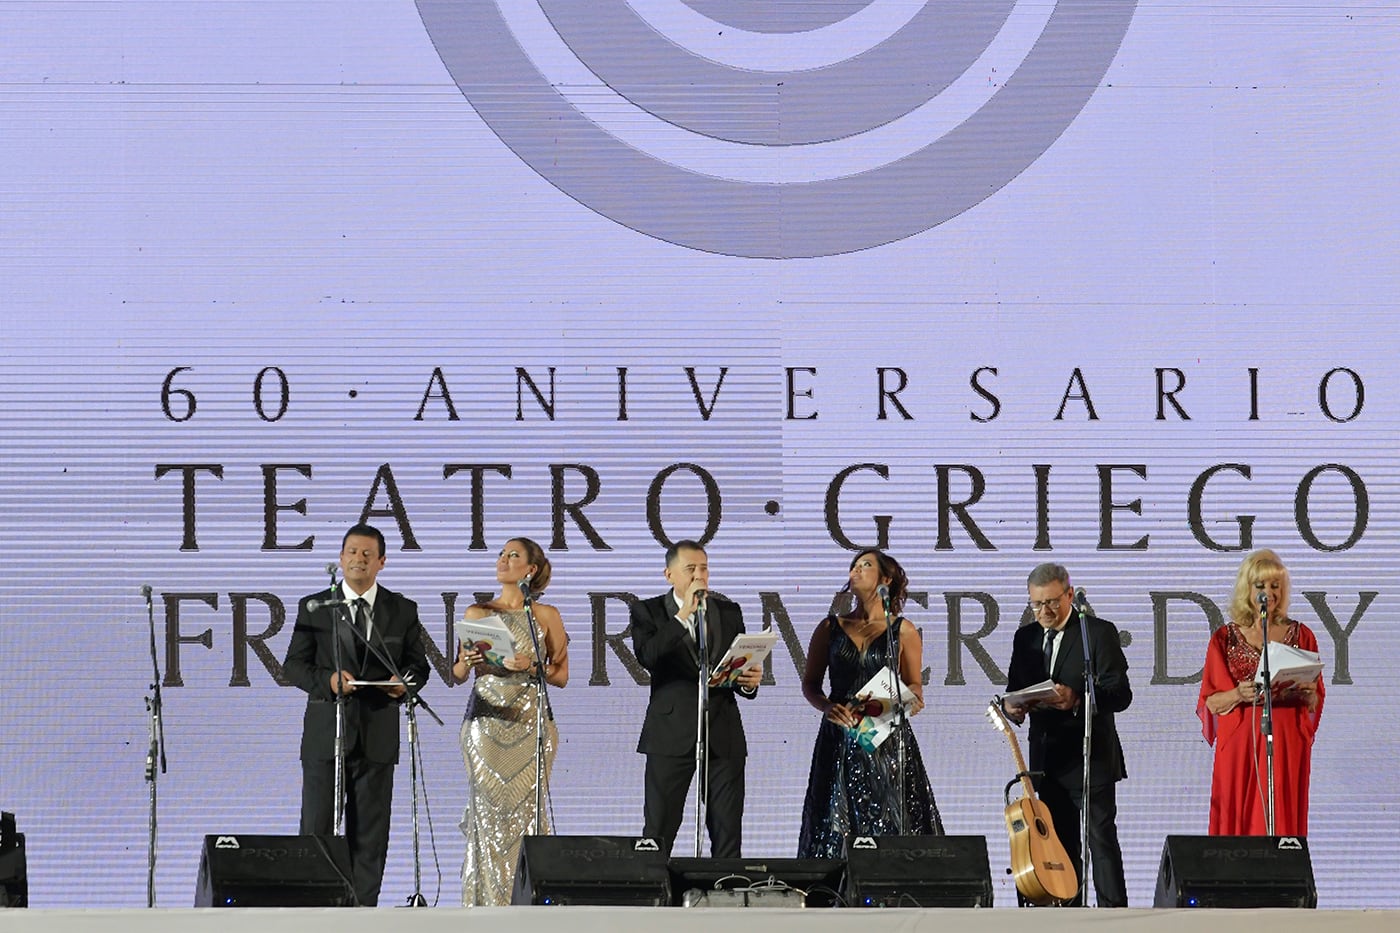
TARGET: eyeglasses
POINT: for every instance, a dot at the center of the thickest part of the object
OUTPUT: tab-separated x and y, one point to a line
1038	606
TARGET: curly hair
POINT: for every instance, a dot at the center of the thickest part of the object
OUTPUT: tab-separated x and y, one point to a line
889	567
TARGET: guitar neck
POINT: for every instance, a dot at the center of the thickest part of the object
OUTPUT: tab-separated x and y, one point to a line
1021	770
1026	786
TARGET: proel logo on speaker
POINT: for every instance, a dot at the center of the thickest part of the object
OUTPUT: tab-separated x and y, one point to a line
593	855
266	853
1252	853
904	852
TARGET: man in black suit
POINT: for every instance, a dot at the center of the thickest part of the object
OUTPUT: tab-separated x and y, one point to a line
1054	649
371	736
663	637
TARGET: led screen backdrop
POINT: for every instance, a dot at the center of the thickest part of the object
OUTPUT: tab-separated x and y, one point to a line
1106	283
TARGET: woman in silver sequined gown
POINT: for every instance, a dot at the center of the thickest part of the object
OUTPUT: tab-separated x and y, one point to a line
854	789
498	731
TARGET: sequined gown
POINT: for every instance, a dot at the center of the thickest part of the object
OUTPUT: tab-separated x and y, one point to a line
498	746
851	791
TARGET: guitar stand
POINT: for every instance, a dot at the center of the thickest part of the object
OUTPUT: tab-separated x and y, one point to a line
1006	792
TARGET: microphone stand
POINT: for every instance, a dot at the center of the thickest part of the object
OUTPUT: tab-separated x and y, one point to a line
702	722
1266	718
892	652
1091	705
412	700
338	610
543	709
156	751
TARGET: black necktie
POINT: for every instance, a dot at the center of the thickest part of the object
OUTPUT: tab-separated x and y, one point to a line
362	626
1049	647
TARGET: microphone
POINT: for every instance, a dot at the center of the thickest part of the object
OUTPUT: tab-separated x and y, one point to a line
1263	602
146	591
700	596
884	592
524	585
1081	602
314	605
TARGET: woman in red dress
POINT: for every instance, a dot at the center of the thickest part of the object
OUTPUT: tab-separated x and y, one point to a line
1230	707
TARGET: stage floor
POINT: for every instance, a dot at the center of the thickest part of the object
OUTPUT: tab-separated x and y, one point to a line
682	920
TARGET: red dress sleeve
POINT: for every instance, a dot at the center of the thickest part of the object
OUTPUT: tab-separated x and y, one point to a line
1215	678
1308	641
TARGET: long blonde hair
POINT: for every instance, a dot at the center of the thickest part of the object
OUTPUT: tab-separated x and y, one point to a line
1263	566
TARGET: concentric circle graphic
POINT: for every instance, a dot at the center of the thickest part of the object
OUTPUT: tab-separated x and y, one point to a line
652	80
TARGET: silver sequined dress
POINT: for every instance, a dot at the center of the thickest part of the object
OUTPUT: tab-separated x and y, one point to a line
498	747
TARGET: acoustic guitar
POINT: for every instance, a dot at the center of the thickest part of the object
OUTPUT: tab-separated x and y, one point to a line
1043	872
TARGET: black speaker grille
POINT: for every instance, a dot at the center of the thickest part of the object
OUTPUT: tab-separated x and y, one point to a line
918	871
274	871
14	879
591	870
1235	871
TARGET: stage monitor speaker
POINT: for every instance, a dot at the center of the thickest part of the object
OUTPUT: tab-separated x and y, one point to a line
1235	871
274	871
14	876
596	870
753	882
918	871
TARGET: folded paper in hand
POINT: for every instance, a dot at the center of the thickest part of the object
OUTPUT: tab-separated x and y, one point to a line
1289	666
746	652
488	636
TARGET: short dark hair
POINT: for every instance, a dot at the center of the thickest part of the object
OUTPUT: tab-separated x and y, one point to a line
674	550
1045	574
368	531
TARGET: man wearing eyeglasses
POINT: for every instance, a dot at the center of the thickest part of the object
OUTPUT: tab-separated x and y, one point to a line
1053	649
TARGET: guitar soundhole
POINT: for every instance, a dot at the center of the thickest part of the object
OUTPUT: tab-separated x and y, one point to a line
1041	829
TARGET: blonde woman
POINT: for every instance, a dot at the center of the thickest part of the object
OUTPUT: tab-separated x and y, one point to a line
1230	706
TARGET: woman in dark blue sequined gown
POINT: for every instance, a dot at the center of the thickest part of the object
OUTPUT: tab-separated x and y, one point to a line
854	790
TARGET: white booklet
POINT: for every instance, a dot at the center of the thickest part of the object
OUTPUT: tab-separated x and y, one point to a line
1289	666
880	714
746	652
490	637
1045	690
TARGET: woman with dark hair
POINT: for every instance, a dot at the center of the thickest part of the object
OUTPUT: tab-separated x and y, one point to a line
854	787
498	733
1230	707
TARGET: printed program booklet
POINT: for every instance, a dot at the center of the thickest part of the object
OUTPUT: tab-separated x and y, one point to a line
746	652
489	636
876	701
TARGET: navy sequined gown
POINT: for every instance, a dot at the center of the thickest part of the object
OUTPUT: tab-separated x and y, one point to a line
852	791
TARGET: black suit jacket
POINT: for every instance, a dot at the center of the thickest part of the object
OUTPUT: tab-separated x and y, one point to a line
371	715
1057	736
666	650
